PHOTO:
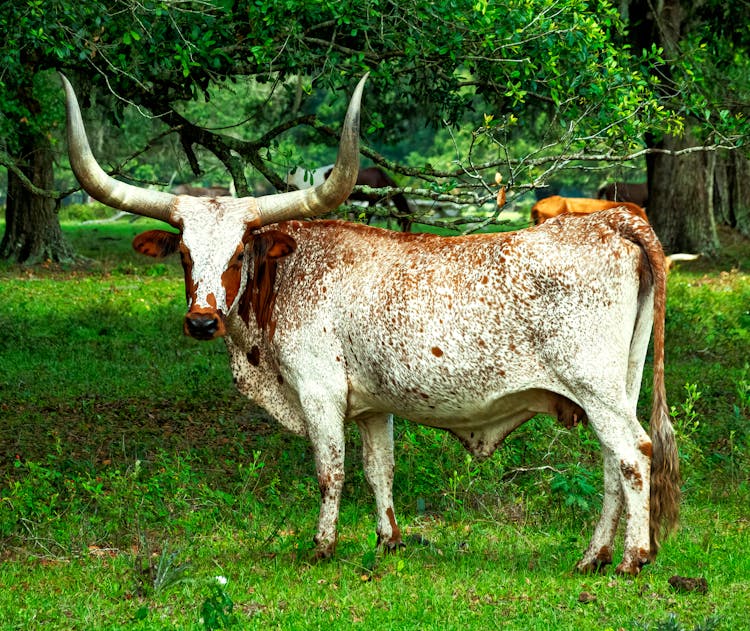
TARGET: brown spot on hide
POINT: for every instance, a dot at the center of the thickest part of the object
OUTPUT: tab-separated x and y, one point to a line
187	268
395	539
391	518
646	448
604	556
280	379
632	474
231	279
254	356
268	248
437	352
328	481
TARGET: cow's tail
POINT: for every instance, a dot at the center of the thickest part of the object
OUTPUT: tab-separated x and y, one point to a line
665	466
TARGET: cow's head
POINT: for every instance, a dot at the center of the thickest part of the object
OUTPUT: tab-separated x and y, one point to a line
214	232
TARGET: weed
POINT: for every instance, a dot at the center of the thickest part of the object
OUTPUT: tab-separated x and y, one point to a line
460	483
743	392
217	609
672	624
168	573
370	556
575	486
687	425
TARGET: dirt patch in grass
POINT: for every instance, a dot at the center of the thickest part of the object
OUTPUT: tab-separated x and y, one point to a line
103	431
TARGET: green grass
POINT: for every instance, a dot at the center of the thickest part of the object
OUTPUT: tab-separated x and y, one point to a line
132	474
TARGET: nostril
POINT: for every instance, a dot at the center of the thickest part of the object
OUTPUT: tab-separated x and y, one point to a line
202	327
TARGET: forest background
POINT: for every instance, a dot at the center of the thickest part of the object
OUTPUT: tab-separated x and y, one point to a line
558	94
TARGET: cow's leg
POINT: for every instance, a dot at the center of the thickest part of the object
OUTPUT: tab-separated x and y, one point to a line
377	457
599	553
637	491
325	429
627	447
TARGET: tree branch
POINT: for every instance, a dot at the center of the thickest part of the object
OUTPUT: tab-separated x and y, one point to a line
8	162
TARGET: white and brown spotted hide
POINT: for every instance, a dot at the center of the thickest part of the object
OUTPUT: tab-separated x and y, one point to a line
343	322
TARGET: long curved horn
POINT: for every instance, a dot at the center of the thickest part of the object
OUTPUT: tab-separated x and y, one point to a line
97	183
327	196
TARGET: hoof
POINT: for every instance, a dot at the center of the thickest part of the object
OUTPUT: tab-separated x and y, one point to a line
632	564
597	565
625	569
393	546
393	541
323	551
321	555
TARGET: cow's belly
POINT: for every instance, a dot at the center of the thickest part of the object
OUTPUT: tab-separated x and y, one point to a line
481	424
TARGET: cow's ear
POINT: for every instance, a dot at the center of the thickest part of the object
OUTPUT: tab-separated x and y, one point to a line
275	244
157	243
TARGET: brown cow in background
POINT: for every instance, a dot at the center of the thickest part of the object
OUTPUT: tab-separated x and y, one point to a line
635	192
202	191
556	205
375	177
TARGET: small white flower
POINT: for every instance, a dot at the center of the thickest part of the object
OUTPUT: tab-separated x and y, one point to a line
221	580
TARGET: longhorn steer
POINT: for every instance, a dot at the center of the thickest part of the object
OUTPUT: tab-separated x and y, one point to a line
328	321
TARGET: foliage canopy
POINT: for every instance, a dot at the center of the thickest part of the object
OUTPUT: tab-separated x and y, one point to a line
499	68
459	89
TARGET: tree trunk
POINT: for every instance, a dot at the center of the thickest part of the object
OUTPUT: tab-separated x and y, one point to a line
32	228
732	191
680	200
680	203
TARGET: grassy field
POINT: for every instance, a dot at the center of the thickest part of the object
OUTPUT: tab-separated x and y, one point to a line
138	490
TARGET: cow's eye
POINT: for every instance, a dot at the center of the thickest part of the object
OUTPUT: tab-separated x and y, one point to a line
240	257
